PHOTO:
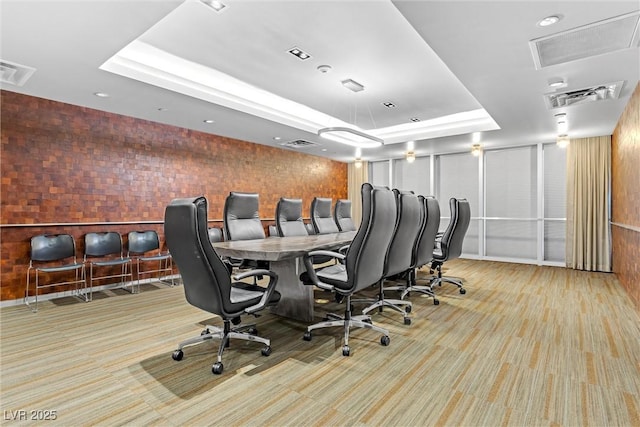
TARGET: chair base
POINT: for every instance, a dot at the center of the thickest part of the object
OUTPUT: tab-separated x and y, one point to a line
245	332
348	322
412	286
381	302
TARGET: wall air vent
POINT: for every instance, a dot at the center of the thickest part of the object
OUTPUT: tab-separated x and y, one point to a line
610	35
582	96
298	143
14	74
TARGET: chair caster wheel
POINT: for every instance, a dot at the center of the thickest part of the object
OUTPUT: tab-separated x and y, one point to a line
236	320
217	368
307	336
266	351
385	340
368	320
346	350
253	331
177	355
204	332
436	302
407	320
463	291
407	309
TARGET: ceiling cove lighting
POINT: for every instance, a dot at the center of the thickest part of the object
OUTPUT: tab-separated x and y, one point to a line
476	149
143	62
350	136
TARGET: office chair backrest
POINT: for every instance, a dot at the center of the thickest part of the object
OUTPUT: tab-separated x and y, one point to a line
407	228
453	237
321	217
215	234
365	258
102	244
139	242
342	215
45	248
206	280
241	217
289	218
430	222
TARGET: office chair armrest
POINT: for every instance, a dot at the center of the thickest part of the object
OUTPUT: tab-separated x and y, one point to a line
343	250
332	254
257	272
266	296
311	272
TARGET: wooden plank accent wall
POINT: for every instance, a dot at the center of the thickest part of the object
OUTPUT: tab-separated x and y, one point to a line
62	163
625	165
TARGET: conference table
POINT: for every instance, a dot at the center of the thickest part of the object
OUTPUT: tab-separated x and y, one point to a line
285	256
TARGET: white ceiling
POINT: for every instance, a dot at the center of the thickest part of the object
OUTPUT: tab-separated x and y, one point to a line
432	59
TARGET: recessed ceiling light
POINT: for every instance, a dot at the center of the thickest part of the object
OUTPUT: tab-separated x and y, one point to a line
390	105
414	119
296	51
277	138
557	82
549	20
214	4
101	94
352	85
209	121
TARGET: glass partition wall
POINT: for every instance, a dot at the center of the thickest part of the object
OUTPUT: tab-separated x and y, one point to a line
516	195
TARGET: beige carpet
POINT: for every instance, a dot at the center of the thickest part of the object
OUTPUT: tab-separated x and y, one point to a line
526	346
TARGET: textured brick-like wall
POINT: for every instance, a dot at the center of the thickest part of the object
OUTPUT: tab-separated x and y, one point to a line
625	165
66	164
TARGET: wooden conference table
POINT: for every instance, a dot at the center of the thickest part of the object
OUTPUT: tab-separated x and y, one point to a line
285	258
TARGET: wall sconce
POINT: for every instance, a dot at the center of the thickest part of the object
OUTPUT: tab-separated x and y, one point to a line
358	162
411	156
562	141
476	149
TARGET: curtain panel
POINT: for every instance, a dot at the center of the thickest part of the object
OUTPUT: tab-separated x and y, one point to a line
355	178
588	195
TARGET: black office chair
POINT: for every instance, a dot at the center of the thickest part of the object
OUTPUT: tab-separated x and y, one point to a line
423	250
215	234
321	218
449	246
342	215
207	283
53	255
399	255
143	247
242	222
104	253
289	218
363	263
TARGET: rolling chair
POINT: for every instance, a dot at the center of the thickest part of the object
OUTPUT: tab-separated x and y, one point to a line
321	218
363	263
289	218
143	247
242	222
399	256
342	215
53	254
423	250
207	283
104	252
449	245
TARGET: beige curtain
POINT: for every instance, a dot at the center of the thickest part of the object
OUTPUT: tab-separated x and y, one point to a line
355	178
588	184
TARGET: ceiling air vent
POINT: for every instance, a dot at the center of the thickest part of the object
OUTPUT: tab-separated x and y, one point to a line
582	96
610	35
298	143
14	74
